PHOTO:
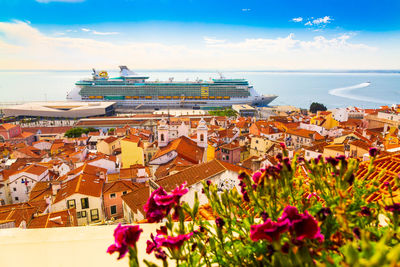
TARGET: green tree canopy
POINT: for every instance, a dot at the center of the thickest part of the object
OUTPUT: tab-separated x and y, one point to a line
315	106
78	131
227	112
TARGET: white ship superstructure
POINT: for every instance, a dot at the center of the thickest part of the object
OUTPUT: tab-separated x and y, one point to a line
135	91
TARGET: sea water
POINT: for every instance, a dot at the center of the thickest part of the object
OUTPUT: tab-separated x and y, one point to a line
365	90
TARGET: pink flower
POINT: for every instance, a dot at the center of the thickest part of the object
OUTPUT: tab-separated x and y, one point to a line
154	211
313	194
302	225
219	222
160	203
256	177
395	208
373	152
269	230
173	198
125	237
283	145
173	242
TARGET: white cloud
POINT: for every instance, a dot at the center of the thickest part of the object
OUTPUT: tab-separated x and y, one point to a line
299	19
324	20
65	1
104	33
319	22
246	9
289	43
85	30
24	47
212	40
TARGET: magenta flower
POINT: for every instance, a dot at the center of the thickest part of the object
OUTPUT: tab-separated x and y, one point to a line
246	197
173	198
125	237
302	225
365	211
283	145
313	194
286	162
152	245
373	152
256	177
264	215
219	222
307	227
154	211
242	176
173	242
269	230
160	203
332	161
323	213
395	208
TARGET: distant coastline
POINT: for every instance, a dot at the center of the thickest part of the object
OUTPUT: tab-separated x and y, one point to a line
215	70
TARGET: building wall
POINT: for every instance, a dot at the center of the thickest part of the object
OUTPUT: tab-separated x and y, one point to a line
210	153
228	178
116	201
230	156
309	154
94	203
131	154
357	152
258	146
131	216
331	153
106	164
43	145
19	192
330	122
103	147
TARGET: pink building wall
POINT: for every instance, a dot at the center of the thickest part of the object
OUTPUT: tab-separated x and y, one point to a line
117	201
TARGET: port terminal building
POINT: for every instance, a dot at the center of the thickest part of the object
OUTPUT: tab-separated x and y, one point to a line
61	109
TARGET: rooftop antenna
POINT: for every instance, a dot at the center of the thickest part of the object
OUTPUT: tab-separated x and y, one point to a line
221	76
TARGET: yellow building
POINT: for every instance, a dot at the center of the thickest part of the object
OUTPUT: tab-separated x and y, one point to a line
324	119
391	140
259	146
109	145
333	150
132	151
210	152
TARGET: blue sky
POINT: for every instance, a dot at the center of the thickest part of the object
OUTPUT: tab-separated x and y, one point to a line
284	34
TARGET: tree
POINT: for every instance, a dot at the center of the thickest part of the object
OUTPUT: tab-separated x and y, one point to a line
227	112
315	106
76	132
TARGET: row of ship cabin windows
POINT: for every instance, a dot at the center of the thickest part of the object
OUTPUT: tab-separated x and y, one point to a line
168	97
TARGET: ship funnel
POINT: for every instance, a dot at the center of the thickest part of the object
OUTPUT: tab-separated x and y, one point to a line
125	71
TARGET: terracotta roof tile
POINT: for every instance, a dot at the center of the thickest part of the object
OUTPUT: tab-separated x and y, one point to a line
137	198
196	173
185	147
64	218
119	186
84	184
7	126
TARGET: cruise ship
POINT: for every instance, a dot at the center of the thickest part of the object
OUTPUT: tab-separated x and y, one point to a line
131	90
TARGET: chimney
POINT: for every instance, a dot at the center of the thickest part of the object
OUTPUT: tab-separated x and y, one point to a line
385	129
364	133
55	188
